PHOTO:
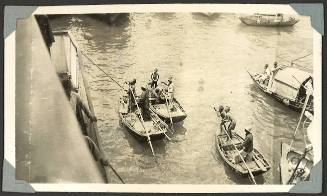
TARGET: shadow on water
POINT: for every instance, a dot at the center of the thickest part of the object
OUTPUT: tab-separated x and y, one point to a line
205	18
165	16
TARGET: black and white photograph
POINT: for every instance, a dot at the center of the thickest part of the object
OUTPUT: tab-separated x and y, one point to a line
213	96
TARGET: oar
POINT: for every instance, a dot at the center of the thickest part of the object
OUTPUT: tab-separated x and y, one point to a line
159	125
171	120
259	163
142	123
250	173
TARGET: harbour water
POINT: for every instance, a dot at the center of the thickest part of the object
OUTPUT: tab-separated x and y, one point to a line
208	58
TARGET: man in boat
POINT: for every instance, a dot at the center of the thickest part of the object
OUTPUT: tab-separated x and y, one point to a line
247	147
170	92
144	102
265	75
154	78
131	93
272	74
227	118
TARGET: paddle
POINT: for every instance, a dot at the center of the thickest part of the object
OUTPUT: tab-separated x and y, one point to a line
171	120
142	122
250	173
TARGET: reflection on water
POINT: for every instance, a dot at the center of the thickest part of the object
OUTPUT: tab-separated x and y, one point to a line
208	58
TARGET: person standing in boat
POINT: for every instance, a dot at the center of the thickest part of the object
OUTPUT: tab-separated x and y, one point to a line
265	75
154	78
272	75
170	92
144	102
227	118
131	93
246	146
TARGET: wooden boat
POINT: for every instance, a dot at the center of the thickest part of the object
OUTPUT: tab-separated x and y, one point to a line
290	158
226	149
287	87
155	127
268	20
177	114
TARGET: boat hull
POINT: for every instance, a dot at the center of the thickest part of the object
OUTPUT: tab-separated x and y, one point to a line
289	160
154	128
295	105
161	110
267	23
258	165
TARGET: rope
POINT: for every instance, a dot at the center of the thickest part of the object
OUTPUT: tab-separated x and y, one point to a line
97	148
142	121
90	59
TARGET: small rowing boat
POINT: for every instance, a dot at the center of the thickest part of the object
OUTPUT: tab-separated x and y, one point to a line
226	149
291	160
287	86
165	112
154	127
268	20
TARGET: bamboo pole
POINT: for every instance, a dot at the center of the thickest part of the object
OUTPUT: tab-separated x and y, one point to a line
142	123
250	173
171	120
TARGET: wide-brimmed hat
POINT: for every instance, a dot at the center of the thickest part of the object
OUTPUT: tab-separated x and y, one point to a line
248	129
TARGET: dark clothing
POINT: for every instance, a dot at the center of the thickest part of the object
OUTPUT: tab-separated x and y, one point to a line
248	143
154	79
144	103
131	94
79	107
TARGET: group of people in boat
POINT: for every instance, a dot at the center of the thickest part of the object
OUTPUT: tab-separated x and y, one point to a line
151	94
268	74
228	123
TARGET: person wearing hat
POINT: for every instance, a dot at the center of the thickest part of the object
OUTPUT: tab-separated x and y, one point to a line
246	146
154	78
265	75
272	74
170	89
131	93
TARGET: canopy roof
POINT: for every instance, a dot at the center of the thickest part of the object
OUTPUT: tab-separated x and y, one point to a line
292	76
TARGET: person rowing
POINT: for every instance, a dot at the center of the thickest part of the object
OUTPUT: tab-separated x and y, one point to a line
170	92
246	146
